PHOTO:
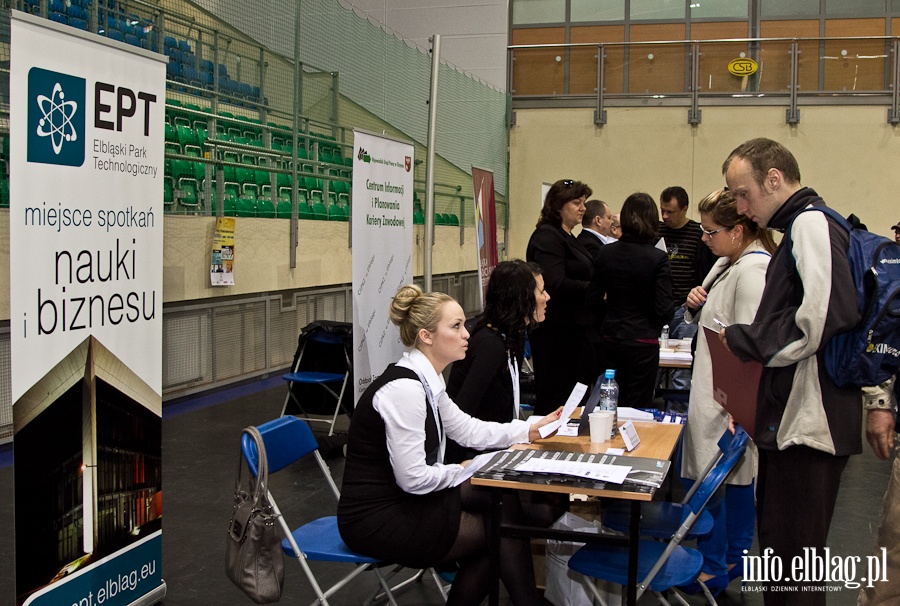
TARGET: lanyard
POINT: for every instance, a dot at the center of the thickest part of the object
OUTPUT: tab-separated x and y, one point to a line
437	414
513	365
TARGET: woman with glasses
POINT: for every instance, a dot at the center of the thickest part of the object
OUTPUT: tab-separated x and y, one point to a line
636	279
561	347
730	293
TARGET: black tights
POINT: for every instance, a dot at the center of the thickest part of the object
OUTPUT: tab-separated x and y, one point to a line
471	551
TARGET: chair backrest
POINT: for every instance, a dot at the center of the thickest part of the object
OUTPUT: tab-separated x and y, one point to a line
286	439
732	453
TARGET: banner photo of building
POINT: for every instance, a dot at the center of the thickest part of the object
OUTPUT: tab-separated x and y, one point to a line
86	242
382	240
221	270
485	226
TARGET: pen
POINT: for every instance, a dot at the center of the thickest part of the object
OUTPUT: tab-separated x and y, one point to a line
720	322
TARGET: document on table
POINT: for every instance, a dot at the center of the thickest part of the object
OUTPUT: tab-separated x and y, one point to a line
477	463
592	471
571	404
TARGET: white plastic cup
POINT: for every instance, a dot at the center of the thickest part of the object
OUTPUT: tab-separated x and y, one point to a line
601	425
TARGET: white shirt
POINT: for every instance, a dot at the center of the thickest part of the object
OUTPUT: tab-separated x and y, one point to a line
401	404
602	238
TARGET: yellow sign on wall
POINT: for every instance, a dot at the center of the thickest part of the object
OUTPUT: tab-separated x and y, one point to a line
743	66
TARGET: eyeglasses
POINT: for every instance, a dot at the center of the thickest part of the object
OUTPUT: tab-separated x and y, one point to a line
713	232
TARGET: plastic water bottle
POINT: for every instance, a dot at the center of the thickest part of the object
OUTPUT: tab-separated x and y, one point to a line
664	337
609	398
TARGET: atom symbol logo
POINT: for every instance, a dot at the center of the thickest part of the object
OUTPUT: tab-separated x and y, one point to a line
56	120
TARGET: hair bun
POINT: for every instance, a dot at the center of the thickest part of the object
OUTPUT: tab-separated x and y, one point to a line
403	301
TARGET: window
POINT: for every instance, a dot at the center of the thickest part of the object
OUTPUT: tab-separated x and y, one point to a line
704	9
538	11
854	8
774	9
657	9
598	10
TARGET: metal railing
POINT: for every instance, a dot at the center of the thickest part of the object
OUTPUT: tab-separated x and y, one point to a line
861	70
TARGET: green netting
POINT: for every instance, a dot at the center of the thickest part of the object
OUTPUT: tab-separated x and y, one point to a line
388	79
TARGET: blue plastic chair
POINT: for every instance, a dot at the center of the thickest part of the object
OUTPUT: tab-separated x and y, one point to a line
288	440
326	380
662	566
662	520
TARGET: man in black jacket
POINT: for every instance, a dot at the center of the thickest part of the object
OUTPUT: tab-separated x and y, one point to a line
595	226
806	426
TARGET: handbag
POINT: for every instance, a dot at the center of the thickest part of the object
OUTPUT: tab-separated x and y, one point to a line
253	558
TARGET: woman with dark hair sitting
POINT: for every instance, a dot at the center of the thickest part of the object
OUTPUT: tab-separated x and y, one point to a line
486	383
636	279
563	354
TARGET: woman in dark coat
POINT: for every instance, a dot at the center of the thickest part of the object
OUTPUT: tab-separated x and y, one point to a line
561	345
485	384
635	278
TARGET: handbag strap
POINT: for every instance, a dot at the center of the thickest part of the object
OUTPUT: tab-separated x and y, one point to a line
259	486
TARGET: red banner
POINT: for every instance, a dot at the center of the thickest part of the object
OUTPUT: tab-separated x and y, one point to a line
485	225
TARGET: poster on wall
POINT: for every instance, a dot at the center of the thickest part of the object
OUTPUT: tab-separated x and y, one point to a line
382	240
86	244
221	270
485	226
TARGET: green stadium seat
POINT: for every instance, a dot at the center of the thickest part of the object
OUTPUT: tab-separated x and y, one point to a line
186	136
319	211
265	208
246	207
168	194
418	218
188	198
453	220
305	212
283	209
337	212
245	175
232	190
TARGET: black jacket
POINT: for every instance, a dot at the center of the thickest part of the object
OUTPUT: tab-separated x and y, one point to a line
567	268
807	300
636	279
591	243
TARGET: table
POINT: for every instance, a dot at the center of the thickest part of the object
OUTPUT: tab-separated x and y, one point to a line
658	441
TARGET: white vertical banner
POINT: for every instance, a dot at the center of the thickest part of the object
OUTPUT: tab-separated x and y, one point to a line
86	242
382	224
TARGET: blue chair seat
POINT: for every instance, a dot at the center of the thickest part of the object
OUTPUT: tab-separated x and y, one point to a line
321	541
611	563
312	377
658	520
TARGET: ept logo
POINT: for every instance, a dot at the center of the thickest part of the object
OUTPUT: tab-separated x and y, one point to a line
55	118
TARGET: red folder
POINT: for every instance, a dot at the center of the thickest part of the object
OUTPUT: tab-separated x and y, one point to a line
735	383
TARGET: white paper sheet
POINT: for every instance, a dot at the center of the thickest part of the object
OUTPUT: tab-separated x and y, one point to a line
473	467
615	474
571	404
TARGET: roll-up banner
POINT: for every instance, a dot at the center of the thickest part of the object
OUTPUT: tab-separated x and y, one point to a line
86	237
485	226
382	241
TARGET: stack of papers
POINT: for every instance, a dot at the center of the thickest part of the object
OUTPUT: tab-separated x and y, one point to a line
633	414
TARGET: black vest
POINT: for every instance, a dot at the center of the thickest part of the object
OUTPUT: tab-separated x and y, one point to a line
368	475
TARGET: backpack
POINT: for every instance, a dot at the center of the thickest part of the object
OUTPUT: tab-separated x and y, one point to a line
869	353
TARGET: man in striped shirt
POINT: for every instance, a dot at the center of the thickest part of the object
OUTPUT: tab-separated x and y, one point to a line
683	241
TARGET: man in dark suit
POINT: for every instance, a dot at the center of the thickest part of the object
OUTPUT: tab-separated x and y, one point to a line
595	226
595	234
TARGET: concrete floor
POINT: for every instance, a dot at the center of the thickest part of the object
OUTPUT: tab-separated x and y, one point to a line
200	451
